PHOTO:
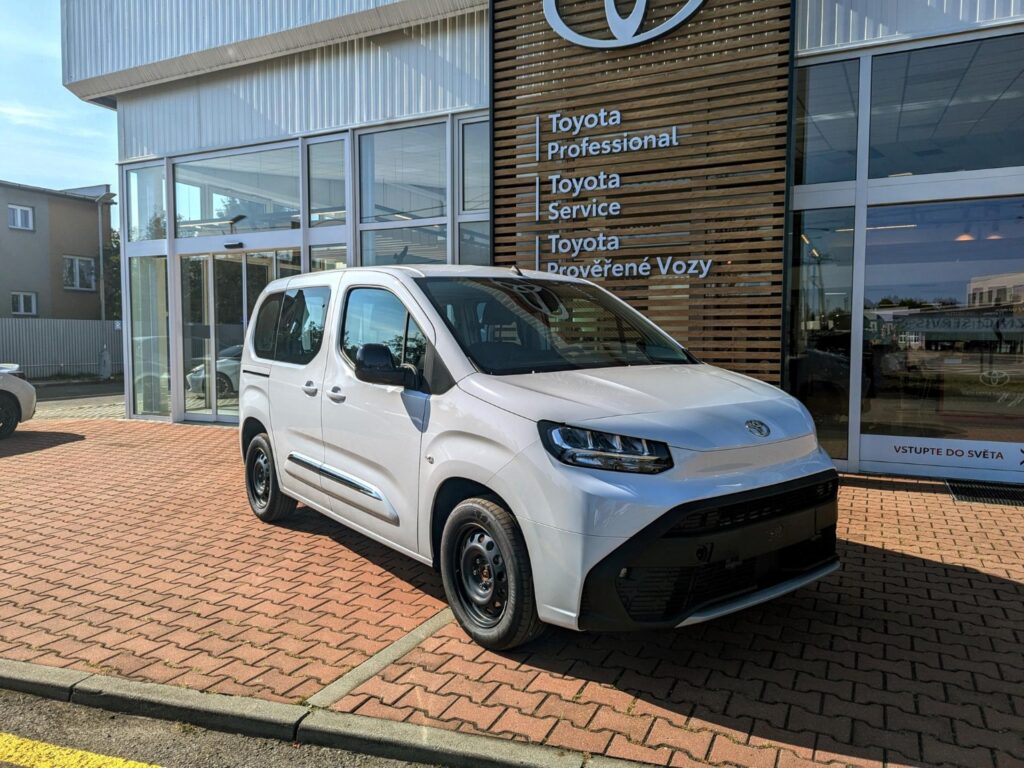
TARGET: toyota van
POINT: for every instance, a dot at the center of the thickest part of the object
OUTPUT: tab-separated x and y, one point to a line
554	454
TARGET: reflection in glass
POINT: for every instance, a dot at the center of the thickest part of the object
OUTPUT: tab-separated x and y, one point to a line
949	108
403	174
259	272
230	331
475	243
405	245
825	130
476	166
289	263
151	367
327	183
147	208
325	257
233	194
197	334
944	320
820	321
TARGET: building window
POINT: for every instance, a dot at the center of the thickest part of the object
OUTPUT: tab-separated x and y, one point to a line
944	320
325	257
403	174
473	245
20	217
403	195
238	193
948	108
80	273
151	343
147	207
825	130
820	321
327	183
23	303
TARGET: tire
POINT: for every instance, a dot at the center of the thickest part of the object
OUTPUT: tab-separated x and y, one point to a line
8	415
265	497
485	568
224	387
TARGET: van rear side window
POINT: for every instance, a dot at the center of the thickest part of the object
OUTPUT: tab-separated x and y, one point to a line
300	331
265	333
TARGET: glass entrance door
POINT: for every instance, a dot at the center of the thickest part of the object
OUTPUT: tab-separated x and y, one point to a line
943	354
218	294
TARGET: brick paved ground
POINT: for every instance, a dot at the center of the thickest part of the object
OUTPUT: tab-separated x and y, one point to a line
129	549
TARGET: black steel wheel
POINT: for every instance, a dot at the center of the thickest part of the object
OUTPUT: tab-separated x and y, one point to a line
224	387
485	567
265	497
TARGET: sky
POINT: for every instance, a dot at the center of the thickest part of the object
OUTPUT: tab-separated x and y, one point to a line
48	137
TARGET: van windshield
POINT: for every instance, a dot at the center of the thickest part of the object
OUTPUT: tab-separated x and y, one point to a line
523	325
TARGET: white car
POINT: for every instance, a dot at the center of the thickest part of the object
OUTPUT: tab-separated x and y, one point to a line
17	399
559	458
228	363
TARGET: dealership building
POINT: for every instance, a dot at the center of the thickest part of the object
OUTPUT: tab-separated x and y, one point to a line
825	194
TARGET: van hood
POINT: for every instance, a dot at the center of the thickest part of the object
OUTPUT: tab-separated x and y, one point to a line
695	407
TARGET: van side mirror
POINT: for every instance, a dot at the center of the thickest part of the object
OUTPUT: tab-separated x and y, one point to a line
376	365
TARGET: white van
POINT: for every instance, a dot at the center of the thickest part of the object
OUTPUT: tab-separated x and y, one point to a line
559	458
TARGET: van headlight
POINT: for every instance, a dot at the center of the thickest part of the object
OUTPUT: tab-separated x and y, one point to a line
603	450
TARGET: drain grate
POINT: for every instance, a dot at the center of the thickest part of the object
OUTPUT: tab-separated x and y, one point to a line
986	493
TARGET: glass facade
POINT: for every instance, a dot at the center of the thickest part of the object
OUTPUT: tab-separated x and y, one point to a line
147	206
825	126
403	174
237	193
906	284
405	245
324	257
151	340
944	320
821	307
948	108
328	201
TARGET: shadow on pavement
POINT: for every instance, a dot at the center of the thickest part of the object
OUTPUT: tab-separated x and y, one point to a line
894	658
405	568
22	442
895	653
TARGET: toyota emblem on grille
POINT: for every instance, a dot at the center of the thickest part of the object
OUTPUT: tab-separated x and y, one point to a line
758	428
995	378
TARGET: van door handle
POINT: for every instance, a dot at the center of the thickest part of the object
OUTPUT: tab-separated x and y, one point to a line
309	388
336	395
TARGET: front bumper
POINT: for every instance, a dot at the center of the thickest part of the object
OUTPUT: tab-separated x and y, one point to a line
706	558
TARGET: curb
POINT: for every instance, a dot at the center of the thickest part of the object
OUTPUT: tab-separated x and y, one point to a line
290	722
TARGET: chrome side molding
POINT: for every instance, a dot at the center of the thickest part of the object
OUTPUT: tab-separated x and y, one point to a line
387	513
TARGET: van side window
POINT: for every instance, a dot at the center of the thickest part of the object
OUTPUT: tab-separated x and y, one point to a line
377	316
265	333
301	329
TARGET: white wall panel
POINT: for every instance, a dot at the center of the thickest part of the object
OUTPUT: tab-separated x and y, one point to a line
102	36
430	68
824	25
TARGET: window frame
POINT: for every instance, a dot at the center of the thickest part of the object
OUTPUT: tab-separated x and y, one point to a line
77	287
463	216
21	296
18	209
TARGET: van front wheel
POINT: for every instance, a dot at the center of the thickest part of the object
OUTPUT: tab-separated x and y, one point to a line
485	568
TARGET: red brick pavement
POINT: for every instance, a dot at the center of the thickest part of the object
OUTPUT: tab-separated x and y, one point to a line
128	548
911	655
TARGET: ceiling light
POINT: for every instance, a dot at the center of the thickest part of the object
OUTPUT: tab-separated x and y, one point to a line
965	237
995	233
806	239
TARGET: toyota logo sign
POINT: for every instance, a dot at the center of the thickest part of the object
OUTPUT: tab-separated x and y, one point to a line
625	29
758	428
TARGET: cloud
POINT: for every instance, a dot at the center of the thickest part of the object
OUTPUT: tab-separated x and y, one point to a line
16	113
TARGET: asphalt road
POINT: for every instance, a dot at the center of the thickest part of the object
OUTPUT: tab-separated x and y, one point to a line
171	745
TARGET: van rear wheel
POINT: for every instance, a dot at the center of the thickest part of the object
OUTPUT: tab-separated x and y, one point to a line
485	568
265	497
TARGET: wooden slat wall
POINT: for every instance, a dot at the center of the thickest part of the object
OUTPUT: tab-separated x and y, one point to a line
721	78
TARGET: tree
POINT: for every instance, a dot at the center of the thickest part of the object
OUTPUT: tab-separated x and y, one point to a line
112	276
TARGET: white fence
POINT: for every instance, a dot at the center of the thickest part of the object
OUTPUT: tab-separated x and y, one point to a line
47	348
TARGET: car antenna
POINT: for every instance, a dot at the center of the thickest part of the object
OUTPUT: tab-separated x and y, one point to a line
515	268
